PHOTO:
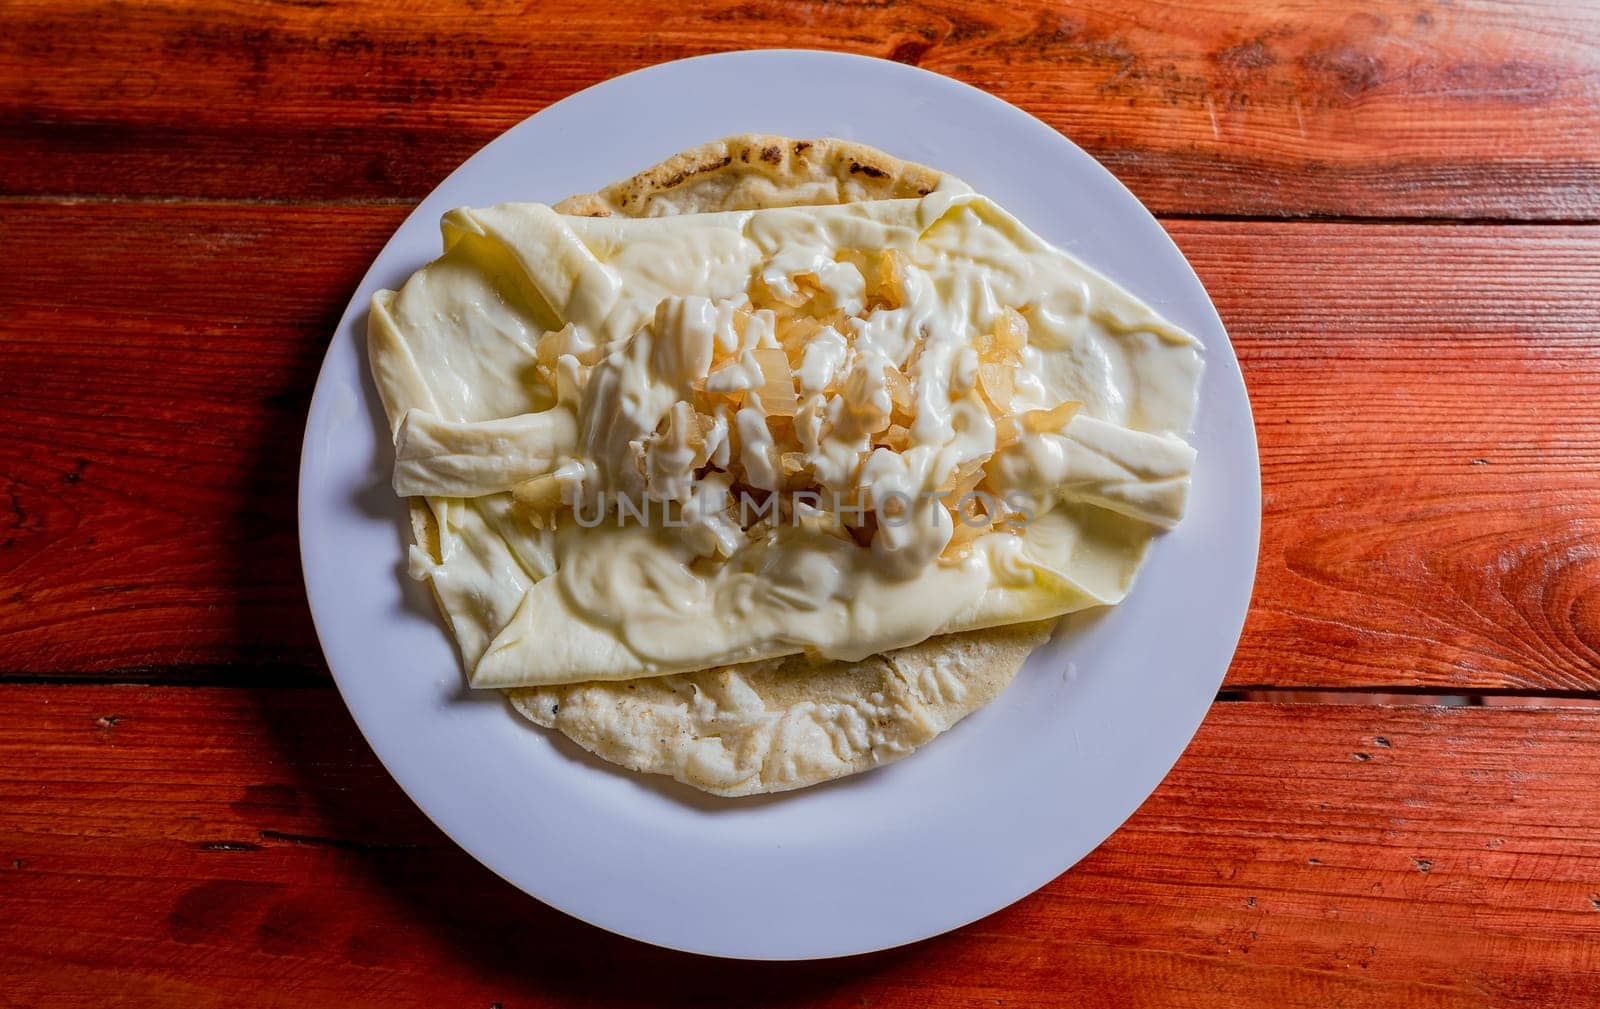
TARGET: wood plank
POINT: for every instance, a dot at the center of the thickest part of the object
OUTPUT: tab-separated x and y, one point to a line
1430	458
1474	108
165	845
1431	465
155	370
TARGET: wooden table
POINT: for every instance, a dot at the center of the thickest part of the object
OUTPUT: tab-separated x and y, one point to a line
1393	205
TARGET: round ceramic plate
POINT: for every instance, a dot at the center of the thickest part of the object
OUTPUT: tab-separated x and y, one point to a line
997	807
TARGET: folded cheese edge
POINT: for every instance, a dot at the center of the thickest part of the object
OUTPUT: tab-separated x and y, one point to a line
439	458
1067	562
441	348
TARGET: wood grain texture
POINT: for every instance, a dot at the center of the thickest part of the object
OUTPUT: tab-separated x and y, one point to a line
1476	108
156	364
1430	454
1431	468
165	846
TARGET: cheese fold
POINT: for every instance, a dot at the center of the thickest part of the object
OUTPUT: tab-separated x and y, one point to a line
871	353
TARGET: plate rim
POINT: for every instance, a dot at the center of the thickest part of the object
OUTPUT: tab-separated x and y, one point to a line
356	307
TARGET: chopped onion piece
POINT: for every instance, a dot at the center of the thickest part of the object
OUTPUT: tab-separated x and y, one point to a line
794	334
791	464
1052	420
1010	333
963	534
777	395
538	497
891	287
998	384
963	479
897	438
692	426
1005	432
900	391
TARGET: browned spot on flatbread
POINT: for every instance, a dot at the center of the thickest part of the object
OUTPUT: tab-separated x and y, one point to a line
870	171
689	173
801	146
771	155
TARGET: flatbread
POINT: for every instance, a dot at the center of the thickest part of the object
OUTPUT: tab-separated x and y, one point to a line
785	723
756	171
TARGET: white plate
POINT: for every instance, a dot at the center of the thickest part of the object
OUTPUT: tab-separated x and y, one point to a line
993	810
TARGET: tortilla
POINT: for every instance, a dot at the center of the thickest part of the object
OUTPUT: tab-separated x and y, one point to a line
754	172
781	724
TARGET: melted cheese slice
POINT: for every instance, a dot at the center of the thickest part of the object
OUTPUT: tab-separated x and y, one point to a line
637	313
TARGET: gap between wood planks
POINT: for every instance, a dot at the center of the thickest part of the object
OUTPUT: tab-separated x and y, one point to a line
58	199
1378	695
1413	697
